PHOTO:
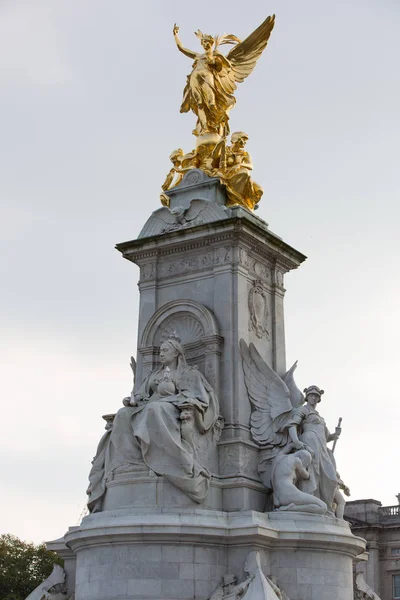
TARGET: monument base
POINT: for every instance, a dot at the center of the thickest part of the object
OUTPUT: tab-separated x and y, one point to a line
146	490
184	553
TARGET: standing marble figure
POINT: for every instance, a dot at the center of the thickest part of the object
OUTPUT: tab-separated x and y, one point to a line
308	430
281	423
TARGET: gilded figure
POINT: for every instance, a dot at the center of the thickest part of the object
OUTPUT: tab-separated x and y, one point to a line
234	169
210	87
209	93
174	176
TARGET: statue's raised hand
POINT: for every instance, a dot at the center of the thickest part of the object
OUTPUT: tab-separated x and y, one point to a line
175	29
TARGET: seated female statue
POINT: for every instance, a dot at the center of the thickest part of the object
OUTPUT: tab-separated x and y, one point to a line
148	429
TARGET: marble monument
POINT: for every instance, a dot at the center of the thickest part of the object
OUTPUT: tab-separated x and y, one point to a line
214	477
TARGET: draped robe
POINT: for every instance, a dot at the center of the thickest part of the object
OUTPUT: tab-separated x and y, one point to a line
150	433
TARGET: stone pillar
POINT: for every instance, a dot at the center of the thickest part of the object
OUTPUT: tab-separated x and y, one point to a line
234	267
372	571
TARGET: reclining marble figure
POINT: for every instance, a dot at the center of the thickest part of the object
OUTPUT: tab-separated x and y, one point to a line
153	429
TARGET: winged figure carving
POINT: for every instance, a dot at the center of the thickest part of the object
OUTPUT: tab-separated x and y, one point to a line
283	420
212	82
273	398
166	219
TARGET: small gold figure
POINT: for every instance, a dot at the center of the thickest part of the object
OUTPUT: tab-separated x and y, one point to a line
212	82
234	167
174	177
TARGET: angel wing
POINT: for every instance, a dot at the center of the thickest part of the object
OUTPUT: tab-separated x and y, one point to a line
57	576
243	56
296	395
271	397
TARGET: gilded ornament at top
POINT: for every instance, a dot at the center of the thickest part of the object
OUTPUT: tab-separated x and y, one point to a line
209	94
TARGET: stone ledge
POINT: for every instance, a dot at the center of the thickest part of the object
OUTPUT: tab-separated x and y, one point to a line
267	530
242	224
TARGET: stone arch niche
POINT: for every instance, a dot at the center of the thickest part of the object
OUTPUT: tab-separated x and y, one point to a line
196	327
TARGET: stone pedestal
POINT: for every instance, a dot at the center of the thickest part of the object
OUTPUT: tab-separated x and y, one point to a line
211	280
169	554
213	284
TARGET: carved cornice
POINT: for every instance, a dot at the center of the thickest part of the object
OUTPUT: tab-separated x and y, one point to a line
230	529
259	241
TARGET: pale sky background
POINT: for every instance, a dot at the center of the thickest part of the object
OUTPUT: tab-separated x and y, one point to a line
89	110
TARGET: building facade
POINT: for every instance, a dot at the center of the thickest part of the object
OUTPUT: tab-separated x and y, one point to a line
380	527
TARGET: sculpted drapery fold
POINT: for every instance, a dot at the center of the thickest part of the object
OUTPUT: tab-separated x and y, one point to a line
147	431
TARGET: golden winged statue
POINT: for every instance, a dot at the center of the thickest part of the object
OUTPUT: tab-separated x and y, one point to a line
211	84
209	93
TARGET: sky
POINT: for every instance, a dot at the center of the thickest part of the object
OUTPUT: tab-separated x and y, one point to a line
89	111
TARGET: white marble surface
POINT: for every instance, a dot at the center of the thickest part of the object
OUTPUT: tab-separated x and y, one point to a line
178	553
199	281
207	282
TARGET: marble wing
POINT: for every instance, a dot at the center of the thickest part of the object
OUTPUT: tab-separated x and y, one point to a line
296	395
261	587
204	211
269	395
57	576
160	220
363	587
243	56
199	211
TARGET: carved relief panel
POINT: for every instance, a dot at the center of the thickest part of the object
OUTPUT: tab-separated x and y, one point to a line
196	262
258	310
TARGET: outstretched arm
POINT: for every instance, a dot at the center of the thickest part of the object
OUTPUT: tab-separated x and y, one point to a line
178	42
